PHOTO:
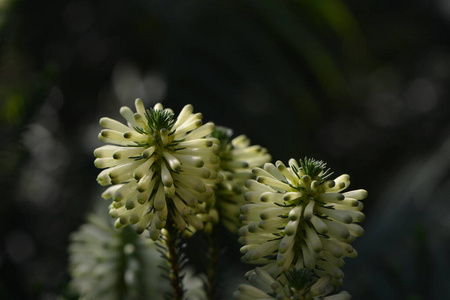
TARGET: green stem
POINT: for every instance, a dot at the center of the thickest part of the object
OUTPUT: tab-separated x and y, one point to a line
214	255
174	261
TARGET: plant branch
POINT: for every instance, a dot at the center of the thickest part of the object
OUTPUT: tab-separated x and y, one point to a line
173	256
214	255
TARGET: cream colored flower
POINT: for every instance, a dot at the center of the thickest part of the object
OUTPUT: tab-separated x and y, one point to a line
298	284
295	217
110	264
159	166
237	159
207	211
208	215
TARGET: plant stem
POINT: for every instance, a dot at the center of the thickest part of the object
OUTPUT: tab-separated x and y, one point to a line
214	255
174	261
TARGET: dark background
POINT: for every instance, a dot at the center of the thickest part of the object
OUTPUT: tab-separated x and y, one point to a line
362	85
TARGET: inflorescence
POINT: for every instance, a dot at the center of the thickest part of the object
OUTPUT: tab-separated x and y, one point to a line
160	167
296	218
176	173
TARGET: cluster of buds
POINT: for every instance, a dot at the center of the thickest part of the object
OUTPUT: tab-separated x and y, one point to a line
98	255
176	172
296	218
160	167
298	284
237	159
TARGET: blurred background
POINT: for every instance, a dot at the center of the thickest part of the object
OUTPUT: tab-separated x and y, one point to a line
362	85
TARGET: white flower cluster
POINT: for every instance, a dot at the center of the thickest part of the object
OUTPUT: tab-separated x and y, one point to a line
110	264
176	173
294	217
237	159
159	166
299	284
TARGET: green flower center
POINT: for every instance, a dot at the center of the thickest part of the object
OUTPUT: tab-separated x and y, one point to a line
223	134
315	169
159	119
298	287
158	130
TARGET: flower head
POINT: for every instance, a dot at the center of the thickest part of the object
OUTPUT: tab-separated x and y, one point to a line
159	166
299	284
237	159
294	216
109	264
